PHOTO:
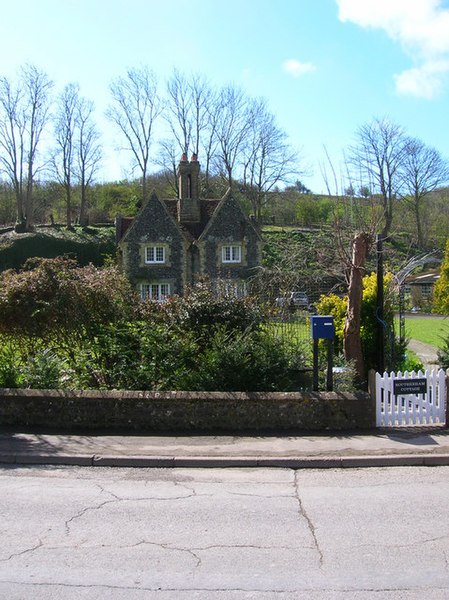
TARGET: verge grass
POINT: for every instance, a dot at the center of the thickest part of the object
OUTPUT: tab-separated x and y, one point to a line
430	330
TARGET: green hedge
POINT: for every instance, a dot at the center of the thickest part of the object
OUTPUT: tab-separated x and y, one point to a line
86	247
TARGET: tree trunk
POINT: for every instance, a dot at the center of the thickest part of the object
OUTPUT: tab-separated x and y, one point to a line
83	220
352	345
419	231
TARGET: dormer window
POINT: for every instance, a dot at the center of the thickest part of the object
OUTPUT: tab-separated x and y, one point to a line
231	254
154	255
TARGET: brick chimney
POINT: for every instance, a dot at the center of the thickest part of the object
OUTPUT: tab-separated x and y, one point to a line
189	187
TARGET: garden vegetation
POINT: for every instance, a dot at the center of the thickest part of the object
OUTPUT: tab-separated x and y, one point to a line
65	326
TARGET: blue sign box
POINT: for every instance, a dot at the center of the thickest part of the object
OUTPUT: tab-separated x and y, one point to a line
322	327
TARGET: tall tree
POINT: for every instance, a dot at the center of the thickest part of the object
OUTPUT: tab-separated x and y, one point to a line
378	156
232	128
134	110
178	112
64	155
89	154
24	114
267	157
424	170
191	114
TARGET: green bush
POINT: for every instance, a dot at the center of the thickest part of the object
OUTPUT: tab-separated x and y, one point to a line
85	328
42	371
336	306
241	361
10	372
441	288
443	355
135	355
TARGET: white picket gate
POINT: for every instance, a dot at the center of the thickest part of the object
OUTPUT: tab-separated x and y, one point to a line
397	408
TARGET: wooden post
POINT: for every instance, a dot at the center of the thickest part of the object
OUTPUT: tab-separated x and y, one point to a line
315	365
330	365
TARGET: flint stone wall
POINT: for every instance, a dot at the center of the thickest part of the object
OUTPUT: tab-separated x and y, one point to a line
186	411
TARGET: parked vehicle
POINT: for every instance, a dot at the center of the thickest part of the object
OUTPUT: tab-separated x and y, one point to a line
294	300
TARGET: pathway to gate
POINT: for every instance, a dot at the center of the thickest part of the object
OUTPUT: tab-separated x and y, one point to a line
426	353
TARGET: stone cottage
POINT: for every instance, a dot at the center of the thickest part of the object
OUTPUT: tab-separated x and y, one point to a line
171	243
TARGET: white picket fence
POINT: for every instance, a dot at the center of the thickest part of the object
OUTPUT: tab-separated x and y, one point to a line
407	409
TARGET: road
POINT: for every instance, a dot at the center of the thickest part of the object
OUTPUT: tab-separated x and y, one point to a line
232	534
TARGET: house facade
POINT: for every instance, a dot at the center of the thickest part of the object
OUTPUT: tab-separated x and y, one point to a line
171	243
420	288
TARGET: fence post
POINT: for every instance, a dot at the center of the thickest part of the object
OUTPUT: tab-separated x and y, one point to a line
372	393
447	399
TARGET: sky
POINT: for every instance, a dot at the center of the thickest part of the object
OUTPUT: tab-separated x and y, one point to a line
325	67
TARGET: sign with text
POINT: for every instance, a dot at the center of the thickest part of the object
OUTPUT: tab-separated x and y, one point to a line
404	387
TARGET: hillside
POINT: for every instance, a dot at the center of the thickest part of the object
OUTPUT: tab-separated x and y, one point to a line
87	245
310	253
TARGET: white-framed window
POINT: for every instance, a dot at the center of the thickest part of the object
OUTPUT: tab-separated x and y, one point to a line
154	254
235	288
231	254
154	291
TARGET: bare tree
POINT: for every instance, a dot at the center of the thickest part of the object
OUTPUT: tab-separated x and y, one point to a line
179	111
89	153
360	231
134	110
191	114
232	128
24	113
268	159
206	113
63	157
378	156
424	170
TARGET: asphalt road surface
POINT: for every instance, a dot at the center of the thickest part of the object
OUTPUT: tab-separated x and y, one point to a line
140	534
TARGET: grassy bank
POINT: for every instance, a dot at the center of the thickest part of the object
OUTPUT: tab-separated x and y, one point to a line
430	330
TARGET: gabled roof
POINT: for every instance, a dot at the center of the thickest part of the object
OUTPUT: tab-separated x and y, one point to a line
209	209
130	223
423	278
193	230
221	203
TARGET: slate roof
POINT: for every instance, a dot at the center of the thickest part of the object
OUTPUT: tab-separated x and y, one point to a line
194	230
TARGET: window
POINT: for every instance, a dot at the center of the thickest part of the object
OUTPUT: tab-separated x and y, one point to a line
426	289
234	288
154	254
154	291
232	254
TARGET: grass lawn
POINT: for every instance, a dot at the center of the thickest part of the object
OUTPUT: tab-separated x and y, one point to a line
429	330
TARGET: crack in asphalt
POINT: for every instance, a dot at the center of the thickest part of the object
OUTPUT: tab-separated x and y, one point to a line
278	590
303	513
22	552
117	500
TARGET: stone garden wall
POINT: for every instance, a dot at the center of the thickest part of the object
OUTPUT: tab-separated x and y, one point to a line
186	412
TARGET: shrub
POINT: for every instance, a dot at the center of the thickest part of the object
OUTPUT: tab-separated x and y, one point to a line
53	298
10	373
42	371
241	361
441	288
336	306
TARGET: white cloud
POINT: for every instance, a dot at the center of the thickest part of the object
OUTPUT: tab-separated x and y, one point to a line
296	68
425	81
422	29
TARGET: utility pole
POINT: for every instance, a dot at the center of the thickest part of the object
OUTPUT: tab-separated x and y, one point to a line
380	306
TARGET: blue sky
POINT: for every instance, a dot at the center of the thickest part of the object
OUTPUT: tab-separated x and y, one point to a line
325	66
